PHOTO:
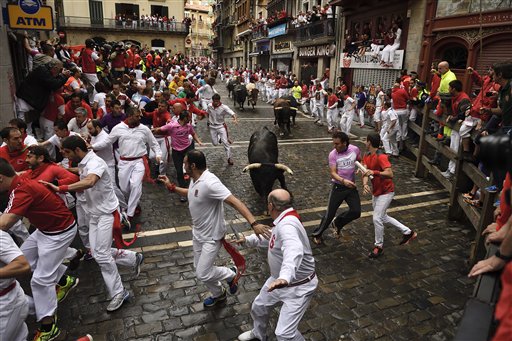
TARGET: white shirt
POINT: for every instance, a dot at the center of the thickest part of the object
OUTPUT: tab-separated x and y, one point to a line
289	252
106	153
387	116
132	141
100	99
217	115
378	101
81	129
8	252
206	92
100	199
56	141
138	74
398	34
347	105
206	205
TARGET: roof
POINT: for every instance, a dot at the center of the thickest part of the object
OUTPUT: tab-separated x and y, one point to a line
197	8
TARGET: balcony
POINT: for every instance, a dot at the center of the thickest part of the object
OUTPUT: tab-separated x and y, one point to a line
111	24
322	28
259	34
271	21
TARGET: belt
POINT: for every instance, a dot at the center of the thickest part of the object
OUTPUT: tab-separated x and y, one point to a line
8	289
59	232
131	158
303	281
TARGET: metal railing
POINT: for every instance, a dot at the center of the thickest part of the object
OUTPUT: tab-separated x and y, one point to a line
260	33
316	29
86	22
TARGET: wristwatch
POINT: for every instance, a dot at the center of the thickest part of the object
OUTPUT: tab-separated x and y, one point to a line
254	223
503	257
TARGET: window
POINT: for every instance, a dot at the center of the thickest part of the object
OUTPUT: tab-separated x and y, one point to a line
456	56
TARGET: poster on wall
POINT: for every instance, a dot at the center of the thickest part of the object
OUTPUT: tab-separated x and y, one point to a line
370	61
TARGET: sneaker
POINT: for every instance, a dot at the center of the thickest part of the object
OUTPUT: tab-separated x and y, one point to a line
230	162
139	259
447	174
247	336
118	300
125	221
233	283
407	238
211	301
63	291
85	338
47	336
492	189
75	261
88	256
376	252
183	199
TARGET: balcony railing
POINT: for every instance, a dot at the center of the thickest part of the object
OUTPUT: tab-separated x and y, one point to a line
262	33
86	22
317	29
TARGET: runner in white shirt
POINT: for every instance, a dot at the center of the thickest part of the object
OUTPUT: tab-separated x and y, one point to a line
205	93
13	302
206	197
134	140
217	113
378	107
61	132
78	124
389	130
347	114
292	280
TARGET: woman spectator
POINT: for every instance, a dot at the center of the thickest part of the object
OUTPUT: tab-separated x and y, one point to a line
393	44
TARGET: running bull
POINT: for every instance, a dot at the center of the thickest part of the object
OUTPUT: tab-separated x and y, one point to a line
263	162
285	110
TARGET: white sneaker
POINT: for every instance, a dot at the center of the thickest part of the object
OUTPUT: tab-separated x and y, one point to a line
118	300
247	336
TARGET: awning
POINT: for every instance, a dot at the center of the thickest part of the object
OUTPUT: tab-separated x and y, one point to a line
246	32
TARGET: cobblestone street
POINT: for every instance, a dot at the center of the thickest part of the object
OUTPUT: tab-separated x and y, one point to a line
413	292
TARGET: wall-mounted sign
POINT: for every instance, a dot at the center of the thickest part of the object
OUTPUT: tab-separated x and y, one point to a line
326	50
369	61
276	31
30	15
282	45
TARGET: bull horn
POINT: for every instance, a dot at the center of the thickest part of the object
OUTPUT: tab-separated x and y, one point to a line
284	168
278	108
251	166
293	108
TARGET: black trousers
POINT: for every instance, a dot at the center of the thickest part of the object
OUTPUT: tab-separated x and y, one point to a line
177	159
340	193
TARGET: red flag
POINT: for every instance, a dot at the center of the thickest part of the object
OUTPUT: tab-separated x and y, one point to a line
237	258
118	233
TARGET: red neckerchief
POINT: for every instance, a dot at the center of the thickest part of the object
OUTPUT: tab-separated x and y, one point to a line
84	123
24	136
220	103
292	213
17	153
131	125
36	173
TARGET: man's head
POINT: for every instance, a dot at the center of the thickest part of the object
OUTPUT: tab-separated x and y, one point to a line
414	75
20	124
76	100
55	66
373	140
279	200
61	128
6	175
74	148
81	115
502	72
116	88
117	110
184	117
94	127
12	138
443	67
455	87
163	106
340	140
133	116
194	161
36	156
216	100
158	96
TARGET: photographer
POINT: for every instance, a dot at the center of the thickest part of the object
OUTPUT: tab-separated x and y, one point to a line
90	58
117	58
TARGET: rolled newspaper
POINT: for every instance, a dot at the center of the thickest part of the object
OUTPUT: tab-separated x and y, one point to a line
363	168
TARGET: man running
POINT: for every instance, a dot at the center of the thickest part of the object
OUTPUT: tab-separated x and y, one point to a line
217	125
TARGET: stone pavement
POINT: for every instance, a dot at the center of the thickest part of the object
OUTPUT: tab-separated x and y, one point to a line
414	292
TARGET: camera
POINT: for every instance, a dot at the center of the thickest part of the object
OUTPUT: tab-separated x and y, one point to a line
496	151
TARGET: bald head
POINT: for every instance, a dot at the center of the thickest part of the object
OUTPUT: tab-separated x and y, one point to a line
280	199
443	67
177	108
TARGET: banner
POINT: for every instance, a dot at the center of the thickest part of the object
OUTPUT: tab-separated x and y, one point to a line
276	31
370	61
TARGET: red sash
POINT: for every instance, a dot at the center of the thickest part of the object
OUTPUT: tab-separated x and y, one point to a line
118	233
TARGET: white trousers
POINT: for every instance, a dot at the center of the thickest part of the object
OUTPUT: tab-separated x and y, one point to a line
100	237
13	312
454	144
119	194
377	117
19	230
204	103
283	92
131	174
295	302
162	167
361	115
346	121
319	112
45	254
205	254
403	119
388	53
380	217
332	117
219	132
413	113
389	142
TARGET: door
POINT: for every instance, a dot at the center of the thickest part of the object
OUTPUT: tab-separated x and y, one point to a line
96	12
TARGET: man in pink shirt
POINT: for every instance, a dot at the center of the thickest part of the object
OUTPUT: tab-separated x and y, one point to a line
181	143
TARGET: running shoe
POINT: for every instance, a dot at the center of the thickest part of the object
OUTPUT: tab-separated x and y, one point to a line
407	238
75	261
125	221
211	301
233	283
376	252
118	300
85	338
492	189
247	336
63	291
88	256
47	336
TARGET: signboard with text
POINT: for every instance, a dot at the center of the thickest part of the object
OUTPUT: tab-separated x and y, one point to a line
370	61
317	51
276	31
30	15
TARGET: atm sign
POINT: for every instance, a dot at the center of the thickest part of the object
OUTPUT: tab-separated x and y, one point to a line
21	20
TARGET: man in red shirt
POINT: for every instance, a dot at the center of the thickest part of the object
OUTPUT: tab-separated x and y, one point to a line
400	97
46	247
383	190
161	117
75	103
14	151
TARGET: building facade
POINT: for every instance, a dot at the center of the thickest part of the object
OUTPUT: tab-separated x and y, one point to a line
198	41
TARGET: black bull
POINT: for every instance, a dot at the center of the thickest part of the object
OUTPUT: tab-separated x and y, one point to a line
239	95
285	110
264	166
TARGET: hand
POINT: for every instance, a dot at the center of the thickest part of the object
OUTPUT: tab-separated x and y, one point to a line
349	184
235	120
262	230
158	160
496	237
484	133
163	179
470	69
239	241
368	173
490	264
278	283
490	229
367	189
49	185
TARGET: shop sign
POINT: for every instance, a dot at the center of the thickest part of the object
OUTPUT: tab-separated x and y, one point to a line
276	31
30	15
369	61
282	45
326	50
